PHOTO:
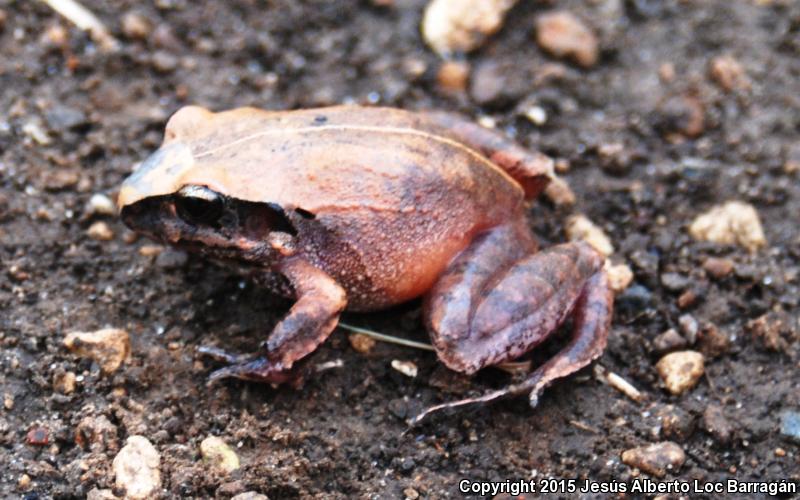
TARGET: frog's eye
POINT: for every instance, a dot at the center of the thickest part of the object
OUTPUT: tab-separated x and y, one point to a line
198	204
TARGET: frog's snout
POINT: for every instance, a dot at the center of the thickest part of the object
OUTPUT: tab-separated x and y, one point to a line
157	175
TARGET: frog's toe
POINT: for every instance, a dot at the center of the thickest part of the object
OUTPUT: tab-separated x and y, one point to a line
255	370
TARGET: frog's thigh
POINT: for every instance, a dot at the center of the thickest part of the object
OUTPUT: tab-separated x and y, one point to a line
532	169
517	304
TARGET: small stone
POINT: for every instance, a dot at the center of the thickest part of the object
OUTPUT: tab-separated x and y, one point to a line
24	482
35	132
250	495
615	158
361	343
666	72
100	204
683	115
734	223
656	459
674	282
217	453
676	423
620	276
681	370
564	35
790	425
97	433
136	468
407	368
100	231
712	341
489	84
65	382
718	268
716	424
135	26
150	250
8	401
689	327
411	493
579	227
164	62
669	341
559	192
38	436
108	347
55	36
536	115
728	73
98	494
780	452
687	299
453	76
63	118
451	26
770	329
59	179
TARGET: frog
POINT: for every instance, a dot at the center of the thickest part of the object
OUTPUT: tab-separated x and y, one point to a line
351	208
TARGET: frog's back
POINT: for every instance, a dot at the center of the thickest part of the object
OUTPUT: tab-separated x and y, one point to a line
403	197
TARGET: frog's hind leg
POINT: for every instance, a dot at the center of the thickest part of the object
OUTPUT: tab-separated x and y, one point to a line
517	307
532	169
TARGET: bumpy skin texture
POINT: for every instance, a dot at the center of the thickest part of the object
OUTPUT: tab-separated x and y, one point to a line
364	208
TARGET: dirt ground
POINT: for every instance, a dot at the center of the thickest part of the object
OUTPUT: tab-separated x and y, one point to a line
651	138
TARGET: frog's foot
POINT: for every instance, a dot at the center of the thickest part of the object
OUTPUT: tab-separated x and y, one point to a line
247	367
514	308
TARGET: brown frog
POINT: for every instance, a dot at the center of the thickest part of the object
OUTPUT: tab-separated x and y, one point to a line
363	208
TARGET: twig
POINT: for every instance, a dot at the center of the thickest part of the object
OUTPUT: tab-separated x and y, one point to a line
512	367
618	383
387	338
85	20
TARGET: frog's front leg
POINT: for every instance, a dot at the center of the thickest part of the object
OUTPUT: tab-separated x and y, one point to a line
309	322
485	311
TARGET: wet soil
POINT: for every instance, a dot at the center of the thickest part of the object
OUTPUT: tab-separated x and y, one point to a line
74	120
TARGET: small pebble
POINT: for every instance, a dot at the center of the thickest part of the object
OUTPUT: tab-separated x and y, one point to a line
24	482
728	73
674	282
790	425
108	347
250	495
411	493
407	368
136	468
100	204
135	26
656	459
98	494
217	453
453	76
35	132
734	223
676	423
579	227
716	424
361	343
100	231
559	192
171	258
689	328
63	118
164	62
452	26
564	35
97	433
489	84
150	250
681	370
681	115
8	401
38	436
64	382
669	341
536	115
620	276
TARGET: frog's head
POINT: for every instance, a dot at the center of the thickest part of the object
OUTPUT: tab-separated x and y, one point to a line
180	198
